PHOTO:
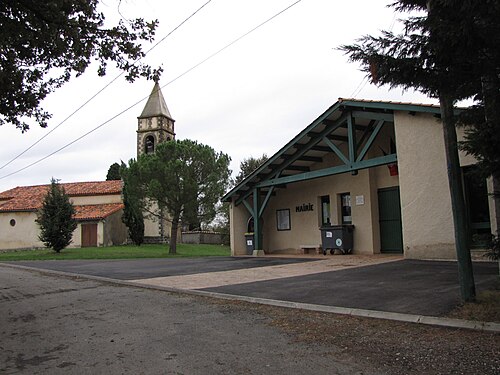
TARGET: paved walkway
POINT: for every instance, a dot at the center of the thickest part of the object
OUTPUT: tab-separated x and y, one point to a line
383	286
249	275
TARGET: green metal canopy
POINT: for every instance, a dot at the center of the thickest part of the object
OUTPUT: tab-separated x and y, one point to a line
350	125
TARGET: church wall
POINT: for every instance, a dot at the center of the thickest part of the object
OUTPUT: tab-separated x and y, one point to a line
23	235
96	199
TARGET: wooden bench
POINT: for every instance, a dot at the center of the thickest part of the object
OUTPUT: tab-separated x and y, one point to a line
311	249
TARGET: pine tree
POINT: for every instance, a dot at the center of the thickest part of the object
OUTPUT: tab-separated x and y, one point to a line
181	175
55	218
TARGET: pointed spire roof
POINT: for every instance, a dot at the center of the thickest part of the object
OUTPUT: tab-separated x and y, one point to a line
156	105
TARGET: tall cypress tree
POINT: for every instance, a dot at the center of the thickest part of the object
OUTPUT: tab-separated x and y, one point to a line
133	216
55	218
449	53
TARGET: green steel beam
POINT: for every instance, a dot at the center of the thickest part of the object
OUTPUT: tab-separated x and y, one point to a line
351	132
387	106
265	201
358	127
333	137
247	206
381	160
257	233
337	150
366	133
370	140
307	146
373	115
300	151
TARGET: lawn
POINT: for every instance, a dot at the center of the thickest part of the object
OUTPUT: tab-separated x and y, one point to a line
120	252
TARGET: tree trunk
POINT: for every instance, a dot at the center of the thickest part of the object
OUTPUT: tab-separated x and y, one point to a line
465	272
173	235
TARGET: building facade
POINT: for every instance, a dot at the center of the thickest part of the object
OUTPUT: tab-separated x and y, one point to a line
98	206
376	167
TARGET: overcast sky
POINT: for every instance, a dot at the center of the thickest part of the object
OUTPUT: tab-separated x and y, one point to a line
248	100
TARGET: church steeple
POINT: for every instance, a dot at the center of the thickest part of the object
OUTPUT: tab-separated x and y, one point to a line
155	124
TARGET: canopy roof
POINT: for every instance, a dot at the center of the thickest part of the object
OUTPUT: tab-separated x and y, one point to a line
349	121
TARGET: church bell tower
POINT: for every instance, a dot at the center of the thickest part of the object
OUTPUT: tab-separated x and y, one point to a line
155	124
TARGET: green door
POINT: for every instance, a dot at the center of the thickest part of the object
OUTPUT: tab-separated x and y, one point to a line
391	233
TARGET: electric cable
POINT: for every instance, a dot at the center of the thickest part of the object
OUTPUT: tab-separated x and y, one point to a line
103	88
146	97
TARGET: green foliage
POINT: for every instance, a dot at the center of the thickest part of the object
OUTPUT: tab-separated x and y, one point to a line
185	178
113	172
44	43
133	200
494	248
248	165
55	218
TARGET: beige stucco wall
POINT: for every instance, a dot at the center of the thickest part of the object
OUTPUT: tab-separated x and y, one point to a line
97	199
305	225
425	198
24	235
238	218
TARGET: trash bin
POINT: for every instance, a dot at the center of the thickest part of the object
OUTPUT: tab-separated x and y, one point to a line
337	237
250	243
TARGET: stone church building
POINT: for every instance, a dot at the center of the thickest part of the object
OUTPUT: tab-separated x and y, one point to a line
98	204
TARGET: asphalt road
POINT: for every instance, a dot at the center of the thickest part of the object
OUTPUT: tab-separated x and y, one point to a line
407	286
132	269
59	325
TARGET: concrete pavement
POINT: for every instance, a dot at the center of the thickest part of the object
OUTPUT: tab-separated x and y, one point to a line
381	286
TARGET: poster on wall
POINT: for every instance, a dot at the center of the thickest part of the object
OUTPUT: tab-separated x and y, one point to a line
283	219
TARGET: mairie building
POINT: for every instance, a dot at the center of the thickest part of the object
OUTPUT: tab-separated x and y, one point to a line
373	171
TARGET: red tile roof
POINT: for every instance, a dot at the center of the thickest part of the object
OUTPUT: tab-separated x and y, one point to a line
30	198
96	211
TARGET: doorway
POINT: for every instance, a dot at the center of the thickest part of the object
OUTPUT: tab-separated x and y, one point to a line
89	235
391	231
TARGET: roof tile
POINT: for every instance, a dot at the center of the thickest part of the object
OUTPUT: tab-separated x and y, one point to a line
30	198
96	211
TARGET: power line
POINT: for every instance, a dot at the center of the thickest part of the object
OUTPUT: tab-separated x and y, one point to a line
104	88
144	98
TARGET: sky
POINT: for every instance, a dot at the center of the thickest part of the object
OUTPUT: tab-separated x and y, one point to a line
250	99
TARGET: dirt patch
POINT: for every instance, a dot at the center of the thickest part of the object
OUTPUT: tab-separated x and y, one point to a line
388	346
486	308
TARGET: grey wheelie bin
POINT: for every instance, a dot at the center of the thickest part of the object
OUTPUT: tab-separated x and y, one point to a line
337	237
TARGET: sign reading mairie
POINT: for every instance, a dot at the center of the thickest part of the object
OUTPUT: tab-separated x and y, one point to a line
304	207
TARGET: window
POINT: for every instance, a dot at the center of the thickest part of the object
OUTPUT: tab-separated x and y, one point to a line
345	202
12	222
283	219
149	144
325	210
